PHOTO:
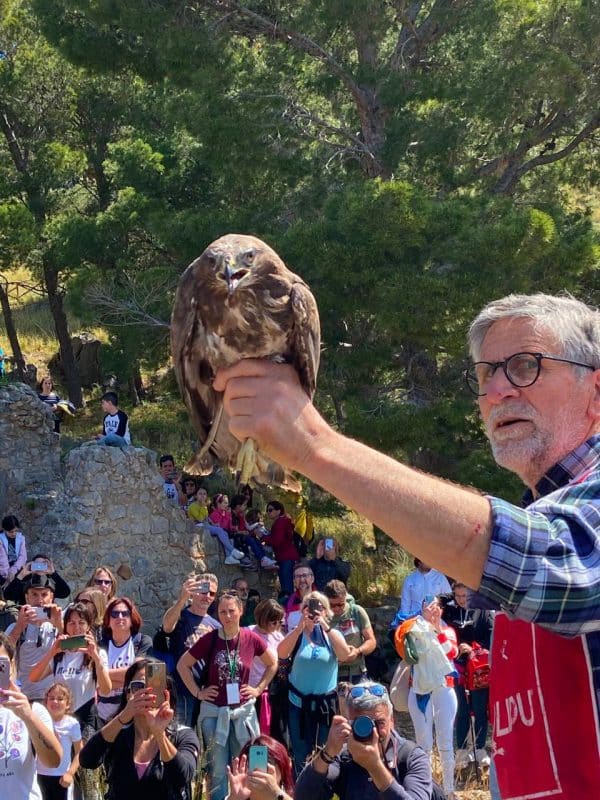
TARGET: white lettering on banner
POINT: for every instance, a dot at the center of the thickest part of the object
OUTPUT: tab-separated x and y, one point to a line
514	711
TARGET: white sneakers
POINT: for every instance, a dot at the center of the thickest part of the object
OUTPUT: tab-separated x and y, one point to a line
237	554
231	560
268	563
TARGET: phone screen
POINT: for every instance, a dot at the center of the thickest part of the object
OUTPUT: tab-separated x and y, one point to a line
72	643
328	544
39	566
156	679
4	672
204	587
257	757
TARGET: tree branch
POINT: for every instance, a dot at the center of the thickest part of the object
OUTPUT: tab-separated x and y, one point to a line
133	311
413	40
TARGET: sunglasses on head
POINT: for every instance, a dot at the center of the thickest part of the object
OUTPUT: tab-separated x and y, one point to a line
116	613
377	689
102	582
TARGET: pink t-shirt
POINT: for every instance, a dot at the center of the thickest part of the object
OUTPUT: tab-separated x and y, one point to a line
271	640
231	661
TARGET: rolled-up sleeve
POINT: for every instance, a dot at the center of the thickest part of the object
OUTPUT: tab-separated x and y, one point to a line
544	561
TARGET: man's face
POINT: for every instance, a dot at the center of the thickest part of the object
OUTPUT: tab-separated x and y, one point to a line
532	428
202	600
381	716
338	605
303	581
106	406
38	596
166	468
461	597
241	588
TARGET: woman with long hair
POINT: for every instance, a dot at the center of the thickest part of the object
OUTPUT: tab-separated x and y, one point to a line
227	709
145	753
124	643
27	732
104	579
82	670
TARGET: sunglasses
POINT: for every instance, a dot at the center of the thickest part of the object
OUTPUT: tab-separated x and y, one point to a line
377	690
116	613
102	582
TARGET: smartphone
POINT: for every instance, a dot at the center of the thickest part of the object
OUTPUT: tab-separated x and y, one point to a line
4	672
328	544
42	614
39	566
72	643
156	679
257	758
204	587
135	686
314	606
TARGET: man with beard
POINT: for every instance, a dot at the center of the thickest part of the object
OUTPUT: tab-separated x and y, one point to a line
536	374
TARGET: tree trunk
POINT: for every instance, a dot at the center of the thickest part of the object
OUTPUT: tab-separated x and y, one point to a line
61	327
11	332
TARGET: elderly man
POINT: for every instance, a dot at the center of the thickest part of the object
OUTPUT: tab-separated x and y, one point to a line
368	759
537	378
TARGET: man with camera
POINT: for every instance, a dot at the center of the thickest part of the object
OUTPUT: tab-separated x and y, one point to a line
34	632
185	622
365	757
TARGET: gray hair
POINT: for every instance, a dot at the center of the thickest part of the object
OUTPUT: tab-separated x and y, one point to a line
575	324
368	701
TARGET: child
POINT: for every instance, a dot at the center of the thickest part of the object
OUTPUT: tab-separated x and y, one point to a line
13	552
198	510
115	425
55	783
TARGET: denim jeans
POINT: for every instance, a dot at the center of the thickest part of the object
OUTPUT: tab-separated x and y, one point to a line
302	746
187	708
479	703
113	440
286	577
219	756
222	536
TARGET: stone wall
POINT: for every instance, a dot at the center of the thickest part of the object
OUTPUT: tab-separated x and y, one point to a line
101	505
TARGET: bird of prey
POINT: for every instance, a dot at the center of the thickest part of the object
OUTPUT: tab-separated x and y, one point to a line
239	300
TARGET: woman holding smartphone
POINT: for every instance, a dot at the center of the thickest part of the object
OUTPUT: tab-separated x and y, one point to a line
26	732
315	648
327	564
77	661
227	709
263	771
145	753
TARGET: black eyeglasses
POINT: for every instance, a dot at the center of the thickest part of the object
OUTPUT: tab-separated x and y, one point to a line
116	613
269	509
521	370
102	582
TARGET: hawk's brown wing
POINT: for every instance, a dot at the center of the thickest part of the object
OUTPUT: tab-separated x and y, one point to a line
305	335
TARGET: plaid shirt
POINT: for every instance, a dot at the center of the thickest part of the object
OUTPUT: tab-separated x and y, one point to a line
544	560
544	567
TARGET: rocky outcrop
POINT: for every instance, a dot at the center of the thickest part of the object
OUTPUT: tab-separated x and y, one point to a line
102	505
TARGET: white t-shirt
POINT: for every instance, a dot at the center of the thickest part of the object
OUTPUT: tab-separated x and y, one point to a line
35	642
79	679
118	657
170	491
67	731
17	764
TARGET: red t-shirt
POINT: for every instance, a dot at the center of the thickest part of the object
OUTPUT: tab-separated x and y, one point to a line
229	663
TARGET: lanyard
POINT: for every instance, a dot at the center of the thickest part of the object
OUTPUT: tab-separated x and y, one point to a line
232	659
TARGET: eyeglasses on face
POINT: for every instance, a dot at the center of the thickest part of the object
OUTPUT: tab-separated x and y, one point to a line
102	581
376	689
116	613
303	575
520	369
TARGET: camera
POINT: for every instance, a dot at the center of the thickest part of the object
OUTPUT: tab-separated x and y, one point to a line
315	606
362	728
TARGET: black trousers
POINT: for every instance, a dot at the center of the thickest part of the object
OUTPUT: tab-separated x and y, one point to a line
51	788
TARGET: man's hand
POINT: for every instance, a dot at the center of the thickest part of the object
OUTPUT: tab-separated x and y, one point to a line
367	754
265	402
187	589
339	735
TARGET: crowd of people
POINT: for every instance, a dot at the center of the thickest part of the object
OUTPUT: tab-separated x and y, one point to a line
287	673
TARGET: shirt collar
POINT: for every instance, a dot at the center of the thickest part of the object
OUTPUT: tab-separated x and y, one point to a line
583	459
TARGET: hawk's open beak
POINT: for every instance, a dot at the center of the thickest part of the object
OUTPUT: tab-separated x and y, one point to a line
232	275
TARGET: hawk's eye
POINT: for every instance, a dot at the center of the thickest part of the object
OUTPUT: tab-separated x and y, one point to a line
248	258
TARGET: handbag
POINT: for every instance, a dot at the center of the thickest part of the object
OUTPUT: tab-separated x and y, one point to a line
399	687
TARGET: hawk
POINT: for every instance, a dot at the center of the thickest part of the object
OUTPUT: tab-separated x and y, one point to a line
239	300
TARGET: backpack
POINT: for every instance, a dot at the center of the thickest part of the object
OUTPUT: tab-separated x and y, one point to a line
404	642
477	674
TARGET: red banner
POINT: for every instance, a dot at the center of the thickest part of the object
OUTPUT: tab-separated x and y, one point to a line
544	714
